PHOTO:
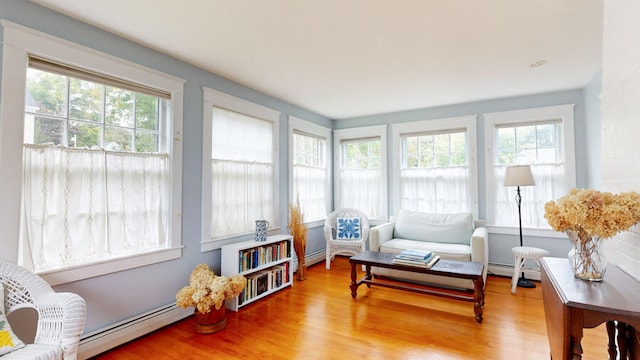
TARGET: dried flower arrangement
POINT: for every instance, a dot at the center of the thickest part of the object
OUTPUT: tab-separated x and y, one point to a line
588	216
298	229
206	290
594	213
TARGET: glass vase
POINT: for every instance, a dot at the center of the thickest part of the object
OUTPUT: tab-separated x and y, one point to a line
586	256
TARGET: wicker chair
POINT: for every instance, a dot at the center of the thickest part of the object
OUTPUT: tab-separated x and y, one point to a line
61	316
337	246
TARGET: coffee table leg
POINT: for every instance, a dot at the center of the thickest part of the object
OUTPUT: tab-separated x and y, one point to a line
354	281
478	299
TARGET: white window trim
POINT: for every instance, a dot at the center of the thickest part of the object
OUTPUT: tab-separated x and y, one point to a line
320	131
359	133
219	99
19	42
515	117
469	123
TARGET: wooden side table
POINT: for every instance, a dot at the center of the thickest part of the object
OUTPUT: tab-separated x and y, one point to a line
571	305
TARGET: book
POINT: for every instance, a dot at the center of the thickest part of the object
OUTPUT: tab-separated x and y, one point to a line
414	254
262	283
424	264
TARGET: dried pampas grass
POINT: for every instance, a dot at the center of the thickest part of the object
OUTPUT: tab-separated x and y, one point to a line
298	229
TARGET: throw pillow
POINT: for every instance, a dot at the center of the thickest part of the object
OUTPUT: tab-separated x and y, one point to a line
348	228
8	340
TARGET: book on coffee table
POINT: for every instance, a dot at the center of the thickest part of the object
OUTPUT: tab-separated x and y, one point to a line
428	263
413	254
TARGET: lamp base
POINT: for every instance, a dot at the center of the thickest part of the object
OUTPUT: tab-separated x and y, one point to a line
525	283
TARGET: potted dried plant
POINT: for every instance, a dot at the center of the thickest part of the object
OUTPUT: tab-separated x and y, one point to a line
298	229
207	292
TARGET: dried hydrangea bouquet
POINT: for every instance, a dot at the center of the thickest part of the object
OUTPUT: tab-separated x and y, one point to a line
587	217
207	292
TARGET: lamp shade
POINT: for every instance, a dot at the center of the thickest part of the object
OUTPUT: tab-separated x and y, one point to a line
518	175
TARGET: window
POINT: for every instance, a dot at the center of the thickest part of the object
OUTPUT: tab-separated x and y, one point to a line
437	165
98	154
360	175
240	177
542	138
310	172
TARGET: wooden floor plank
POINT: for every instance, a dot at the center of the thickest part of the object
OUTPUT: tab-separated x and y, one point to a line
318	319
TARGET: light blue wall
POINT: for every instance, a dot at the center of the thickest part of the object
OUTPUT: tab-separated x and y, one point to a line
118	296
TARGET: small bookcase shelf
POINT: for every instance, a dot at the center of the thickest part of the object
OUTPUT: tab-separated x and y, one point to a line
267	265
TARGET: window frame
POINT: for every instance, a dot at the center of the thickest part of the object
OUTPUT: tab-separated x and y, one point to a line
19	43
340	135
468	123
522	117
298	124
216	98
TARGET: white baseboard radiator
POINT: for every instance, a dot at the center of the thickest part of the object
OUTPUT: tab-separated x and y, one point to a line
99	341
530	273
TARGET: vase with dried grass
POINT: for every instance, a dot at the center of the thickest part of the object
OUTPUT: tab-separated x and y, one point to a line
298	229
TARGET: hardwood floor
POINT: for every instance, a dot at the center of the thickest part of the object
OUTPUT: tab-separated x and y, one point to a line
318	319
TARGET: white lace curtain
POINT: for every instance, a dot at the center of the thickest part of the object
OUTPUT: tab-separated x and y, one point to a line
242	181
550	185
86	205
435	190
360	189
242	192
311	189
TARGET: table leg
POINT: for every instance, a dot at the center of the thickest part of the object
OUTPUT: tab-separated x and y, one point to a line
478	298
622	330
611	333
368	276
354	281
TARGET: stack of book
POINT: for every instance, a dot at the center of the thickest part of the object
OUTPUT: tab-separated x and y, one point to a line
413	257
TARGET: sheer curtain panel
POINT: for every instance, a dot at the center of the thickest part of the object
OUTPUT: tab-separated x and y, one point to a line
242	182
71	220
435	190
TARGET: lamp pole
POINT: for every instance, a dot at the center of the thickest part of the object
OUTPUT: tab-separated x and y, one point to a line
522	281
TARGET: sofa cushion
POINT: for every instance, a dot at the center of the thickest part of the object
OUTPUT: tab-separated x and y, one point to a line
446	251
438	228
8	340
35	352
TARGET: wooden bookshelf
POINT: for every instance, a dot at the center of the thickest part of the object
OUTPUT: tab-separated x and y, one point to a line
267	265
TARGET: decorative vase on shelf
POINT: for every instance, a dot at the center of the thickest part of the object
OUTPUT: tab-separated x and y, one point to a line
212	321
586	257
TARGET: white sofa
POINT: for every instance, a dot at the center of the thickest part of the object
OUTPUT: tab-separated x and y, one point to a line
452	236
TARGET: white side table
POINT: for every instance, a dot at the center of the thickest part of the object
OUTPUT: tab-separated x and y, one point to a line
522	253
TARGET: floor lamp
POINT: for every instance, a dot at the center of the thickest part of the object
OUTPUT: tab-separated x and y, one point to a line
520	175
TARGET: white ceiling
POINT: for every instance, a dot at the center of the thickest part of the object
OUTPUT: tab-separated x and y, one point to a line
346	58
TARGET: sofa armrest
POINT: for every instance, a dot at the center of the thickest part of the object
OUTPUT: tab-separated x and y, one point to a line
480	249
378	235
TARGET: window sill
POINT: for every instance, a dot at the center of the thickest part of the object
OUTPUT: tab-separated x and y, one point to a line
217	243
81	272
508	230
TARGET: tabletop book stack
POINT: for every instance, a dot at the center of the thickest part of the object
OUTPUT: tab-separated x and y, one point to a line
413	257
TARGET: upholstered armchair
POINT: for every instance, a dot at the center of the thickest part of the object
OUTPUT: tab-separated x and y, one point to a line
346	232
61	316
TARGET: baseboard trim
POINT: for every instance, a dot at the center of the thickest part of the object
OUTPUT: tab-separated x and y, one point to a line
507	271
99	341
311	259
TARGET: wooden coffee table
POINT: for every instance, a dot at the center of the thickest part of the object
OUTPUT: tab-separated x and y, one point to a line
451	268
